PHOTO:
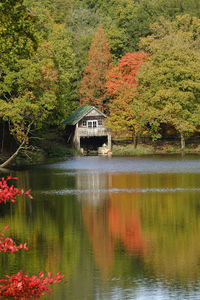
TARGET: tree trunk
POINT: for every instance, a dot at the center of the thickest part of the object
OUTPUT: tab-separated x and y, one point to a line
182	142
135	140
7	162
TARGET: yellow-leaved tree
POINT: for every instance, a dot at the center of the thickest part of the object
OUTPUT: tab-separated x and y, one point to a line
170	82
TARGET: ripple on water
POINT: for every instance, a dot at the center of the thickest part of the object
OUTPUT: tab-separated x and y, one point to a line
115	190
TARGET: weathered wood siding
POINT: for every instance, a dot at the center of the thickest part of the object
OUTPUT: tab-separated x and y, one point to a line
81	131
93	113
99	131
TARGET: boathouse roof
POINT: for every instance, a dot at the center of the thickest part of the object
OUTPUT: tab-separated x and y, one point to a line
79	114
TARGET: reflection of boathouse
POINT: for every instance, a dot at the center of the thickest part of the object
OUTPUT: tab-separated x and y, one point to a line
85	128
93	187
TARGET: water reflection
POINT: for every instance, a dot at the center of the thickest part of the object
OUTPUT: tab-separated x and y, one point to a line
155	226
108	224
115	234
92	187
146	164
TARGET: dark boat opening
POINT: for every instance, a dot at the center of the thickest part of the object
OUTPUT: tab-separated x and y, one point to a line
92	143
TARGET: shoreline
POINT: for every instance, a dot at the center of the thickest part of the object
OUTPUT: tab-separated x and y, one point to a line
152	149
50	151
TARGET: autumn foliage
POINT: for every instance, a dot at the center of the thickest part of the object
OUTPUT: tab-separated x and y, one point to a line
107	224
20	285
125	72
93	89
23	286
8	245
125	107
9	193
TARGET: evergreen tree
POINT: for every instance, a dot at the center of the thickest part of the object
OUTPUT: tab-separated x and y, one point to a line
93	90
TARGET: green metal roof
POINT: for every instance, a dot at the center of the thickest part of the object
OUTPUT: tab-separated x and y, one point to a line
77	115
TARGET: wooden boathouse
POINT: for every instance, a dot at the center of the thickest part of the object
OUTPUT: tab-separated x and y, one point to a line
85	129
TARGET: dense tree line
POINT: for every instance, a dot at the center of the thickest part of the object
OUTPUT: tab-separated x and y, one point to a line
162	89
46	54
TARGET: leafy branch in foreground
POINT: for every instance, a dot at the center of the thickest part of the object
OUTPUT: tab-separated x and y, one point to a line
8	245
22	286
9	193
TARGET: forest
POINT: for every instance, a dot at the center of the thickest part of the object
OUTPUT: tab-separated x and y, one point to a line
136	60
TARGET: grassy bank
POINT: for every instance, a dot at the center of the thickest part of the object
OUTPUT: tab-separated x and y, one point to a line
123	150
154	148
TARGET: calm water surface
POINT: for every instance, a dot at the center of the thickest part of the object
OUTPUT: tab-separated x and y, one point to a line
118	228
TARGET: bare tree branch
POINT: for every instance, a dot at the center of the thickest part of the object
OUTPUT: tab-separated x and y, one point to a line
21	146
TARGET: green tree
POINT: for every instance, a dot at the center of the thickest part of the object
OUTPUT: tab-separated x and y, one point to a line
17	42
53	31
127	114
170	81
37	84
93	90
81	24
57	10
65	64
17	32
27	95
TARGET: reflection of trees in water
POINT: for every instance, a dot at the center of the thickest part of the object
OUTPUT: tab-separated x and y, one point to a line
118	225
124	218
107	222
172	224
103	244
107	226
127	229
161	229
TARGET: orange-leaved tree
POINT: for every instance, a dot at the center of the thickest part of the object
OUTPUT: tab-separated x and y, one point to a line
127	113
93	89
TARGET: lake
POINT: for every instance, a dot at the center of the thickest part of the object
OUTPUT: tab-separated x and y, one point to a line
118	228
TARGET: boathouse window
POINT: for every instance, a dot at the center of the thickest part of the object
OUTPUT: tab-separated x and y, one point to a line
84	123
100	123
91	124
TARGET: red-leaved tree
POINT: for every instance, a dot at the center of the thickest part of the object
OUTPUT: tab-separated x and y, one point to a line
127	113
125	72
93	89
20	285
